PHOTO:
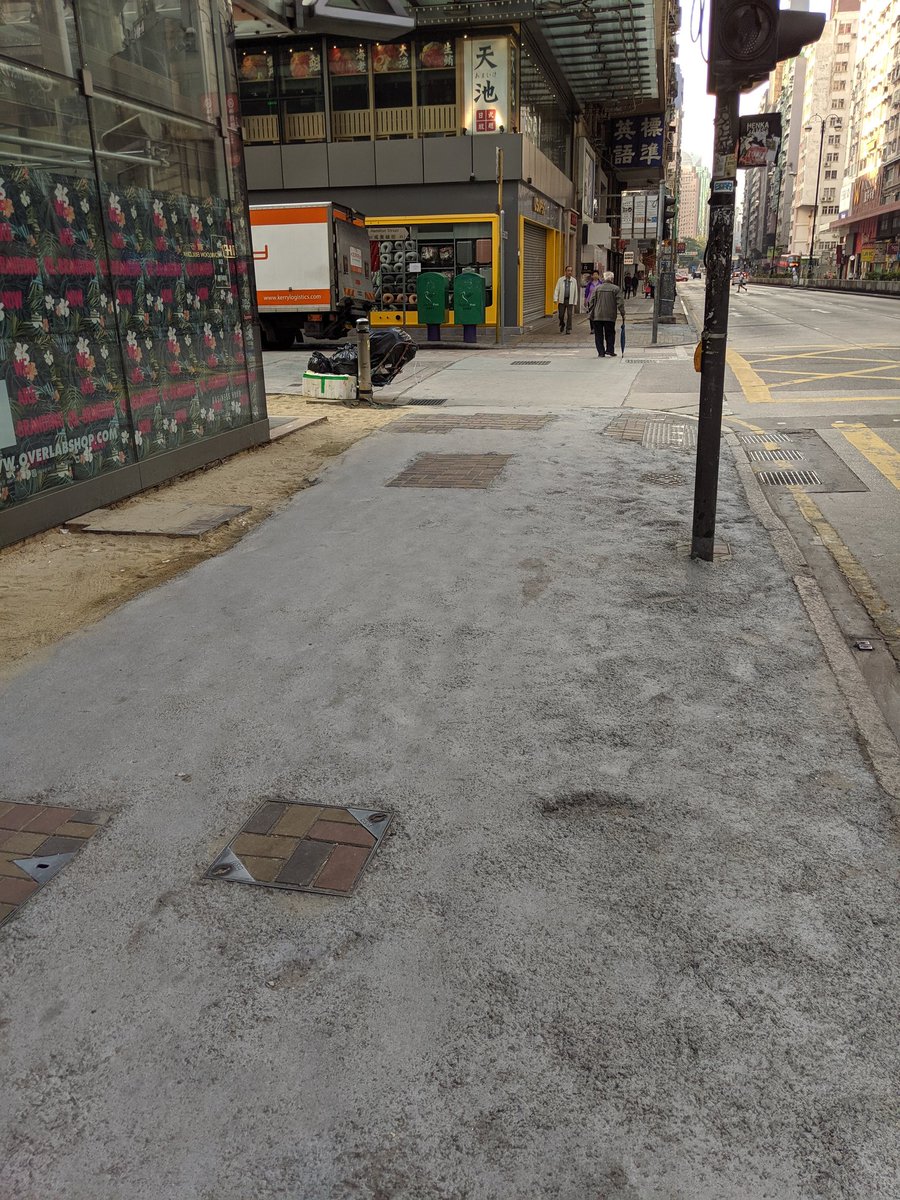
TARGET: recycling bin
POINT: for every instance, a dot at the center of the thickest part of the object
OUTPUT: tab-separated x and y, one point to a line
431	302
469	302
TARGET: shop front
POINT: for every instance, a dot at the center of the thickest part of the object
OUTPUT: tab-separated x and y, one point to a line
540	254
128	344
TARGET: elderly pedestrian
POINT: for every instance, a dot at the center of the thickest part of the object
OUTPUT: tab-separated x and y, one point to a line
605	301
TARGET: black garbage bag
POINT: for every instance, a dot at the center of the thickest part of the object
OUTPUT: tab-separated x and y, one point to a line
391	350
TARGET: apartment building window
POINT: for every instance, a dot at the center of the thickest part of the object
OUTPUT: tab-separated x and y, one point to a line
840	85
837	104
302	86
828	195
349	73
831	174
840	67
831	157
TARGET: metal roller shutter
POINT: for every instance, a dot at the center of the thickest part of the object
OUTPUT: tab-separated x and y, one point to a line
534	272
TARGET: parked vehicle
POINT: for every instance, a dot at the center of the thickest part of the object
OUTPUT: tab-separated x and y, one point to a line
313	271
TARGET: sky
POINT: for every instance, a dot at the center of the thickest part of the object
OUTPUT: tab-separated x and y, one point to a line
699	108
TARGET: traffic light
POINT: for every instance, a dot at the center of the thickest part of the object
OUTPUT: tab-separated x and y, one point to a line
748	37
668	216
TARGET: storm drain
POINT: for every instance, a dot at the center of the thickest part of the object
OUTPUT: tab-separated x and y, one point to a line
775	456
303	847
36	842
789	478
531	362
759	439
680	434
431	401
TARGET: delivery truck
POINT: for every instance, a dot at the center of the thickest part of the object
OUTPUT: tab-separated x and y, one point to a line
313	271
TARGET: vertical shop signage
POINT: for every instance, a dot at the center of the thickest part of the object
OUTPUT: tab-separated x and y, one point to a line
588	179
487	84
627	230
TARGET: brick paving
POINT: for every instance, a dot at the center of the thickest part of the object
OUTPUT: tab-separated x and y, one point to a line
445	422
34	831
304	847
452	471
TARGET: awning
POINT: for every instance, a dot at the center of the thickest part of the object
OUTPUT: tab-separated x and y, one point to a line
880	210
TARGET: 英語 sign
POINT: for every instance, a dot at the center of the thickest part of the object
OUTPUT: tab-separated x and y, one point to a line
637	143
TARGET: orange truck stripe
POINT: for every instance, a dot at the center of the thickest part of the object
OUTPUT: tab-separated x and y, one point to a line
289	216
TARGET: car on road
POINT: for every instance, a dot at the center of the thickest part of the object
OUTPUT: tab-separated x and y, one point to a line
681	276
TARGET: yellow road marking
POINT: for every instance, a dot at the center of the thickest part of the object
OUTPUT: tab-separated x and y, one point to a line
836	399
821	352
880	454
868	372
754	388
746	424
884	363
855	574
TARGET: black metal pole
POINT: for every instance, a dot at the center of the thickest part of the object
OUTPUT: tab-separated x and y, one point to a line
715	324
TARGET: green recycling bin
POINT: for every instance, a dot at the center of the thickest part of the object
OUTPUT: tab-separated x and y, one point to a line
431	302
469	302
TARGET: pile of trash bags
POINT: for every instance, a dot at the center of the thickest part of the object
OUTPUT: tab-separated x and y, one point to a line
391	350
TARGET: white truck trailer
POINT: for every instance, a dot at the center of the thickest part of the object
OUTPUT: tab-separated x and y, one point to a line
313	270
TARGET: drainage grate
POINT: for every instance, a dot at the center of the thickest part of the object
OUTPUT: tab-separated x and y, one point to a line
670	433
531	362
303	847
775	456
758	439
429	400
789	478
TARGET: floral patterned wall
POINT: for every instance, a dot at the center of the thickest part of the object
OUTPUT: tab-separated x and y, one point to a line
78	266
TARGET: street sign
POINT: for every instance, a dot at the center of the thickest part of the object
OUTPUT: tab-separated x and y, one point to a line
629	258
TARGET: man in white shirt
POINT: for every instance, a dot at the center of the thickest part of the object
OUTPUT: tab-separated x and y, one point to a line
566	296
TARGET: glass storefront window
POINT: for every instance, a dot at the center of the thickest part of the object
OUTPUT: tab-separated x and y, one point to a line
39	34
302	85
63	415
448	249
392	75
348	71
542	118
258	92
162	53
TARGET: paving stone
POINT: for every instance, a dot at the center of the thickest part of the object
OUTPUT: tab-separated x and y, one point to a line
342	870
451	470
48	820
5	910
8	867
339	831
17	816
297	820
263	847
23	842
78	829
262	821
305	863
263	869
60	845
14	891
91	816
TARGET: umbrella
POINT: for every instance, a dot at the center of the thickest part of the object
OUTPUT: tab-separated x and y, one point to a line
622	339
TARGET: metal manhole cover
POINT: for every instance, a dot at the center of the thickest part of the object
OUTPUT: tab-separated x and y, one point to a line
531	362
775	456
682	435
789	478
303	847
36	842
759	439
429	400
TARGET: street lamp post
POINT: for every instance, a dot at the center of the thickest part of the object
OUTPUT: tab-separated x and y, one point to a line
815	213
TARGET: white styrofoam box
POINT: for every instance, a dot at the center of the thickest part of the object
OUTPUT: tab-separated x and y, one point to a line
329	387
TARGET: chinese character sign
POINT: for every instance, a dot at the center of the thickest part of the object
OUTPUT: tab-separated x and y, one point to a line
637	143
487	84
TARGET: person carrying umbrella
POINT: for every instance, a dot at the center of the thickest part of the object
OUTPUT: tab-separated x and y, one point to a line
605	300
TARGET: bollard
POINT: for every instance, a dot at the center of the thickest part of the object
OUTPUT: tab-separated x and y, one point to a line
364	362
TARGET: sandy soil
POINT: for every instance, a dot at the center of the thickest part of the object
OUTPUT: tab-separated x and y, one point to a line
59	581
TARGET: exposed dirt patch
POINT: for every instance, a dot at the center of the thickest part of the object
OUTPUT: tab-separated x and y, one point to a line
576	802
60	581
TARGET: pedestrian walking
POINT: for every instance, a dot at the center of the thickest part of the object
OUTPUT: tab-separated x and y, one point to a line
626	286
566	295
605	301
651	285
795	278
592	284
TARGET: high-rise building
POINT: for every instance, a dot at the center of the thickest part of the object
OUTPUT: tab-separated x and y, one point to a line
693	204
824	141
868	199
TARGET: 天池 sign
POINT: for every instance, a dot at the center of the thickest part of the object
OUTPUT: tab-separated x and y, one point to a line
759	137
486	84
637	143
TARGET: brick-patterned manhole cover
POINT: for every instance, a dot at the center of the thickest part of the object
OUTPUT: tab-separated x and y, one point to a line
452	471
531	362
36	842
303	847
432	401
445	422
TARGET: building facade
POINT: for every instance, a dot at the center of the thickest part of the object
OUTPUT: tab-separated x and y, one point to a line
128	345
693	200
407	132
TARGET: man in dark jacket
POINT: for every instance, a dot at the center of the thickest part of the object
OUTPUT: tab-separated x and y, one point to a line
604	301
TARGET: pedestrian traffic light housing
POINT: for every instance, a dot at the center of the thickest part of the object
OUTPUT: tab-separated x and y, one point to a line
668	216
748	37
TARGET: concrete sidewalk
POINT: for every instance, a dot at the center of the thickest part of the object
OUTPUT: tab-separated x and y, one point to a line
633	935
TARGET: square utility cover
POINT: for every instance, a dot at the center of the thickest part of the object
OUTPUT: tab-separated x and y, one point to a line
303	847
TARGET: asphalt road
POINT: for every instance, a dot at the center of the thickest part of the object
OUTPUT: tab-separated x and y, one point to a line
829	363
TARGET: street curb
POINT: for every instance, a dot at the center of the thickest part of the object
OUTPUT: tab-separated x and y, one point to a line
874	733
